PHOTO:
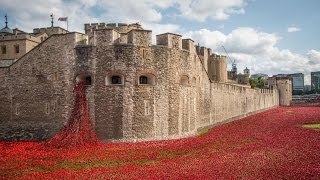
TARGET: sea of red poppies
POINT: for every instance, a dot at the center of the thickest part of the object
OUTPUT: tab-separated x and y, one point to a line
268	145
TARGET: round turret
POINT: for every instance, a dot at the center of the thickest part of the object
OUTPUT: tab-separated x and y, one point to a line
221	68
6	30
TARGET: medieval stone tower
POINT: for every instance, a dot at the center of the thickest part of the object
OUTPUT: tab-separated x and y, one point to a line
218	68
135	90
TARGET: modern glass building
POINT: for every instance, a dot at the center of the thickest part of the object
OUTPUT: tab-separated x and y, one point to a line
315	81
297	83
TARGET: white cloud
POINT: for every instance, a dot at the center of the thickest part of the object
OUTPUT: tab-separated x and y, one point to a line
258	51
293	29
29	14
202	9
132	10
314	57
150	10
160	28
251	41
205	37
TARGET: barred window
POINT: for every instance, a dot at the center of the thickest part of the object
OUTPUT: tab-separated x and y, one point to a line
143	80
116	80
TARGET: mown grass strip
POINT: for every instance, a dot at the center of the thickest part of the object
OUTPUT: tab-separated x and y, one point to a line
202	132
312	125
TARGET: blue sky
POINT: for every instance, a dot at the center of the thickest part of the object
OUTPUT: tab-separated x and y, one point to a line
267	36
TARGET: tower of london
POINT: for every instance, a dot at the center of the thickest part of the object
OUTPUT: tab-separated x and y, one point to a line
136	90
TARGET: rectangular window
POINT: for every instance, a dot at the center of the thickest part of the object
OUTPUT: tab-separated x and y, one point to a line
88	81
143	53
116	80
16	49
143	80
54	108
147	107
47	108
56	76
3	49
17	109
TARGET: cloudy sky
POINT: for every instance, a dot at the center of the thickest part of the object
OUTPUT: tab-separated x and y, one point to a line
267	36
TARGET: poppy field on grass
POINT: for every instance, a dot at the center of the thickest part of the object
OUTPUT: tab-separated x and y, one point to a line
275	144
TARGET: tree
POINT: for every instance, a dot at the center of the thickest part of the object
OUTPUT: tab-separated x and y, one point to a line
252	83
260	83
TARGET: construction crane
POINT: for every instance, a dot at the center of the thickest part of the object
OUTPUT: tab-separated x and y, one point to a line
232	61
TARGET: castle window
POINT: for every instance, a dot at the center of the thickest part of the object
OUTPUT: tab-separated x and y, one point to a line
147	107
194	81
17	109
143	80
114	79
86	79
144	53
146	79
47	108
41	39
54	106
3	49
56	76
16	49
184	80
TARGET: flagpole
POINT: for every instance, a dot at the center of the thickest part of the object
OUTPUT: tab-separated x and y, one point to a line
67	24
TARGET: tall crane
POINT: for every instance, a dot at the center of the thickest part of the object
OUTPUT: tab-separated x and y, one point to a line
232	61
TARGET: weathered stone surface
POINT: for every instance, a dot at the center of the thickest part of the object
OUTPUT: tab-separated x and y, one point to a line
179	98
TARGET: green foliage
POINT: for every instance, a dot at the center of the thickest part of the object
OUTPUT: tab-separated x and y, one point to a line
256	83
252	83
260	83
202	132
312	125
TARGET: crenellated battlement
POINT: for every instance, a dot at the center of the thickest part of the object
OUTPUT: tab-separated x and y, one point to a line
170	39
120	27
188	44
50	30
20	37
123	33
107	34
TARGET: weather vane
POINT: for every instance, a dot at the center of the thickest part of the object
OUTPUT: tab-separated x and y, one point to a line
6	17
51	20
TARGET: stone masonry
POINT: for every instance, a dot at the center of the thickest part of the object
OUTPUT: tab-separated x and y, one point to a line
136	91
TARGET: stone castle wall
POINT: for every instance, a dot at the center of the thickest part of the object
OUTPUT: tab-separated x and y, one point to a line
40	91
178	99
5	105
181	100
